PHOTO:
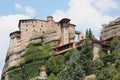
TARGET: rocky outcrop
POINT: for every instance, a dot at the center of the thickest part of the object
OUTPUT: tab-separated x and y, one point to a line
96	49
115	22
15	54
50	36
90	77
110	30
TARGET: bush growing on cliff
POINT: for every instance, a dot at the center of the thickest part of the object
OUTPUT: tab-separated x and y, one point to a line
52	77
114	43
35	56
55	64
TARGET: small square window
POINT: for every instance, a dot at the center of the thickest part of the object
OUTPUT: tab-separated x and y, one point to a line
43	32
33	26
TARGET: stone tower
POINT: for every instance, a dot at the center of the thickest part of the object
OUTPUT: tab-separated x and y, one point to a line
67	31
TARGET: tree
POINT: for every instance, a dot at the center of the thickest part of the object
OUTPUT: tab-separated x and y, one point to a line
111	68
78	65
114	43
55	64
52	77
73	69
106	74
90	33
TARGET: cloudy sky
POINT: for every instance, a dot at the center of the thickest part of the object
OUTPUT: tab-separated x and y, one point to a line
84	13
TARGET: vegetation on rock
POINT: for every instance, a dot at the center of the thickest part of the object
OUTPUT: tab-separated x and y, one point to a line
35	56
73	65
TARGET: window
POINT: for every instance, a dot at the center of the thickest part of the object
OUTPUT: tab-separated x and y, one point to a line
26	29
41	25
34	30
26	25
82	37
43	32
40	29
33	26
22	21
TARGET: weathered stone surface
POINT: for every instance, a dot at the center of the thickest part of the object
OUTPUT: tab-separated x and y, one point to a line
96	48
92	76
50	36
15	52
112	23
111	30
36	36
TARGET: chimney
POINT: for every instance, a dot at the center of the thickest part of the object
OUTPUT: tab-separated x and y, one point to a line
49	18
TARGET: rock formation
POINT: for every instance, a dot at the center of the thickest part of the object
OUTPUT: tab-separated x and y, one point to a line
59	34
36	31
109	31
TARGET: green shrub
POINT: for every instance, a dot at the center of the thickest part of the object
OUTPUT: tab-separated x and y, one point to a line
35	56
55	64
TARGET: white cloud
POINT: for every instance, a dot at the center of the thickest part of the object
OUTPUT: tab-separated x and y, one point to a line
105	5
27	9
85	15
30	11
18	6
8	24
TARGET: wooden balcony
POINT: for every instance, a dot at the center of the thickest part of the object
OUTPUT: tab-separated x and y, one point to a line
67	47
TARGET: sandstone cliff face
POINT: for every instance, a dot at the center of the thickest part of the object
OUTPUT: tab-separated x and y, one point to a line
111	30
15	54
